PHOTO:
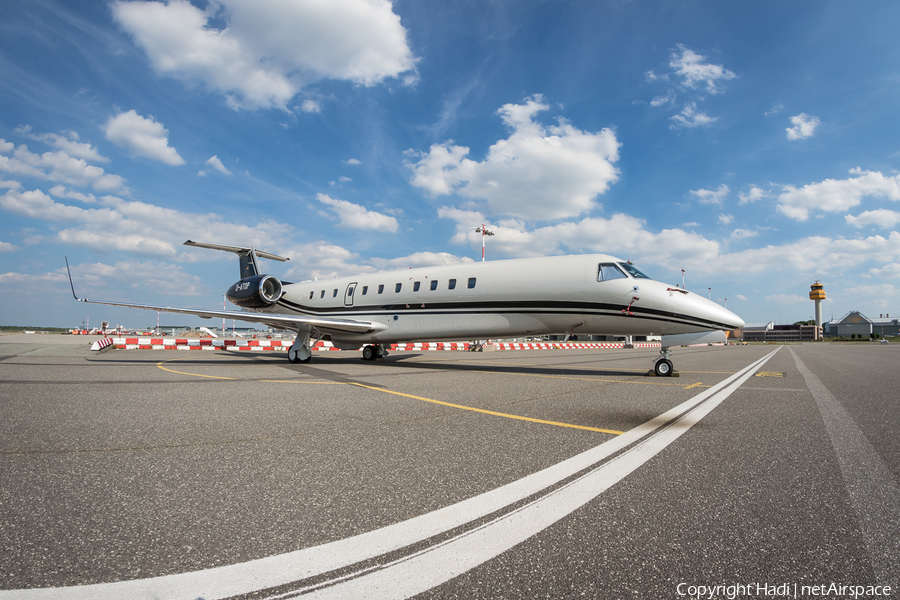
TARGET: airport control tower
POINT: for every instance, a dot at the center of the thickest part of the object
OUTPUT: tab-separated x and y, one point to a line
817	293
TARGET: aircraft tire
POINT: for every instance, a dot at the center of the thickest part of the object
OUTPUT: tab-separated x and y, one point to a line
294	359
664	368
368	353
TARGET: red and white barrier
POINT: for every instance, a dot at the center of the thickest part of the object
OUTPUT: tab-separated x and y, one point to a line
570	345
150	343
101	344
430	346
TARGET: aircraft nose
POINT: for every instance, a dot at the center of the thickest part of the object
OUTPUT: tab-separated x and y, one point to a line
715	313
736	321
726	317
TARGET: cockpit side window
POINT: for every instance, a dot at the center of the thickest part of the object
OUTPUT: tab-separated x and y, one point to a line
633	271
609	271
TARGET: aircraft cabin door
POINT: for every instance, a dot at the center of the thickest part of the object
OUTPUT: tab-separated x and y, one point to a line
348	295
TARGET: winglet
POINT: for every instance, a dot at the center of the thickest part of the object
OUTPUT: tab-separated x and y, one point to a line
72	285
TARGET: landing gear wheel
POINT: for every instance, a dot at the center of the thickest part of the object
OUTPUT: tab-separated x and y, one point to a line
368	353
294	358
664	368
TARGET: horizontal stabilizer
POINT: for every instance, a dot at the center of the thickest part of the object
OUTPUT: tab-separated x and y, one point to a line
237	250
249	267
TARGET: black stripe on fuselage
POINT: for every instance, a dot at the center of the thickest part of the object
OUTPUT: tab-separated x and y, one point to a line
514	307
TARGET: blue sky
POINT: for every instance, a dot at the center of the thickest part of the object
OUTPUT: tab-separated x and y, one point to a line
754	145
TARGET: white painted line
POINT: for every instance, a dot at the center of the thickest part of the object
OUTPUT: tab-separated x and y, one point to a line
279	570
434	566
873	491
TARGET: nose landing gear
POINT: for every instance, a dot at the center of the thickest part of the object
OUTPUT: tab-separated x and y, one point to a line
663	366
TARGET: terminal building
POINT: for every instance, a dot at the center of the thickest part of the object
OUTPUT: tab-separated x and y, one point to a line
770	332
854	323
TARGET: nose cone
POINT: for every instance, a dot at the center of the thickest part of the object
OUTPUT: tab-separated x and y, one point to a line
724	318
695	311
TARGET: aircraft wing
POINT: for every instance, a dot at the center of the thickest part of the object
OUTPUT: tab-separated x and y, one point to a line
291	322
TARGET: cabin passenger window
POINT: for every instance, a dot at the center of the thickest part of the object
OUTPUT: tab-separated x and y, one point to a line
311	294
471	282
334	295
632	270
451	285
322	295
434	284
416	286
365	290
397	288
381	289
609	271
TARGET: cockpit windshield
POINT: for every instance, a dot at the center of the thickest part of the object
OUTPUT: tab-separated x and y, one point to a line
609	271
633	271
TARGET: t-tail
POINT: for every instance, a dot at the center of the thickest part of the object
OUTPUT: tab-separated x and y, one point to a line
248	256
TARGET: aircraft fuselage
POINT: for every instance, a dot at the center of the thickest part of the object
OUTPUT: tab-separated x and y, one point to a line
504	298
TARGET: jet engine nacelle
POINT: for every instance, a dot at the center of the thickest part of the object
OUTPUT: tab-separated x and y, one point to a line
259	291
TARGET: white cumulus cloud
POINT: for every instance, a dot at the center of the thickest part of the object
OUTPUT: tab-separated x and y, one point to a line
269	50
690	117
137	227
716	196
837	195
58	166
216	164
69	144
537	173
802	126
753	195
888	271
142	137
694	72
881	218
354	216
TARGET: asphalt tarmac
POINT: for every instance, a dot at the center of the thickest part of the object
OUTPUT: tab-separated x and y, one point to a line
760	472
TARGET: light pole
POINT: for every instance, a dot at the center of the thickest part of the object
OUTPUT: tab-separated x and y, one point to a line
483	231
682	279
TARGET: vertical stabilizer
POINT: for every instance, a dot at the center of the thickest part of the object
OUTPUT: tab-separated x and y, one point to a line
249	264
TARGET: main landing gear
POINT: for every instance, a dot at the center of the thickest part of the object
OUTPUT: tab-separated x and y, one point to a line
663	365
374	352
299	351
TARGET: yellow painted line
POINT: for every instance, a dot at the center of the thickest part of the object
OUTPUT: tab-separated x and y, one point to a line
160	366
489	412
769	374
562	366
386	391
693	385
595	379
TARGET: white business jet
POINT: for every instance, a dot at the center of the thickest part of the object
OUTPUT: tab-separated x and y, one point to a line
586	294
